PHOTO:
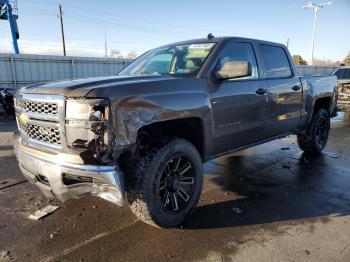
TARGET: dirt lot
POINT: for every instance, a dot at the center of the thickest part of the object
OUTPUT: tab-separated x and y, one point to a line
268	203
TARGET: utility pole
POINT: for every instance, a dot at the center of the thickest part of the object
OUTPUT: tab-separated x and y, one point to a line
287	43
62	31
316	8
106	54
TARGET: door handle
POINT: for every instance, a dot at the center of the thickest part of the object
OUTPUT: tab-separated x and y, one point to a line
296	88
261	91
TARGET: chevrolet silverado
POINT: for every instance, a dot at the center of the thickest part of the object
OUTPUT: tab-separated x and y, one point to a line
141	137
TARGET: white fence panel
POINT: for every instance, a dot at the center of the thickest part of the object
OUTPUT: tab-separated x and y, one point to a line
316	70
22	70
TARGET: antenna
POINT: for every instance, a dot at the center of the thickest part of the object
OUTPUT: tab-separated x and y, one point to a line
316	8
210	36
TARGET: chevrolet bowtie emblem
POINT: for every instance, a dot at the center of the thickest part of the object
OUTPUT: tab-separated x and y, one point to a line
23	119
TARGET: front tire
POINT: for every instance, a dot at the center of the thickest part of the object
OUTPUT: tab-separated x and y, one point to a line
315	139
166	183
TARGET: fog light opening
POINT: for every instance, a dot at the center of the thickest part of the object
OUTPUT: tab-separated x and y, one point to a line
69	179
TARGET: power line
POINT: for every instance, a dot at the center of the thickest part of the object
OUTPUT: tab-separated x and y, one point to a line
71	15
136	18
114	15
114	24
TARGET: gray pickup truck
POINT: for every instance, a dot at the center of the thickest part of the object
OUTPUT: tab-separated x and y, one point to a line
141	136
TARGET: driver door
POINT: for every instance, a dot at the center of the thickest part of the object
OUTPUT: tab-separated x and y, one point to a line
239	105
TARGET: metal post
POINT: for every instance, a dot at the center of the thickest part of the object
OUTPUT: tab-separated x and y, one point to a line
14	73
13	29
316	8
313	36
72	66
106	54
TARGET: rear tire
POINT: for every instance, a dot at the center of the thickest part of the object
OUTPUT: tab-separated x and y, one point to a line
315	139
166	183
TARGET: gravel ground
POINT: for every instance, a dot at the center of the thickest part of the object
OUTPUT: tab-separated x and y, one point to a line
267	203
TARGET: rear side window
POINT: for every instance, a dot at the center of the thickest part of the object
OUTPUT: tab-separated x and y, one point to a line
276	61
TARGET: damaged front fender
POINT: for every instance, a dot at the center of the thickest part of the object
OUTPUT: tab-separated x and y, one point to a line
142	103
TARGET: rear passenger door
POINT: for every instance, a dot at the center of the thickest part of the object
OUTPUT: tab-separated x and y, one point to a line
284	89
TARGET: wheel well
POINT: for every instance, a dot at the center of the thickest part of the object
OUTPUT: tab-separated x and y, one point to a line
190	129
324	102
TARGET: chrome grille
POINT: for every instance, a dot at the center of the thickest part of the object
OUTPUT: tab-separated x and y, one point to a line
47	134
37	107
41	119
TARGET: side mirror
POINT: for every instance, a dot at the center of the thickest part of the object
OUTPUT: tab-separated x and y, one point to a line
234	69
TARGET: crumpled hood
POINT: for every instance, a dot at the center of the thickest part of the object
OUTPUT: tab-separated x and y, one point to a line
81	87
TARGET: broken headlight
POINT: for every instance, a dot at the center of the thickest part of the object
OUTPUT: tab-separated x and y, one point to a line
87	124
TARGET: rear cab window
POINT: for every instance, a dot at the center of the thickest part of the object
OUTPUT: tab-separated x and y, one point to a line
276	61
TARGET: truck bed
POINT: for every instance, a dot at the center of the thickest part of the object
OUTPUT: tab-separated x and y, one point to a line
315	87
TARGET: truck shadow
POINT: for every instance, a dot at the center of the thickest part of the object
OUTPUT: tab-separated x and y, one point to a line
7	124
4	148
316	190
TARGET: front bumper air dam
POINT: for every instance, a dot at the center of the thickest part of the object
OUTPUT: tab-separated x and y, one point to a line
46	171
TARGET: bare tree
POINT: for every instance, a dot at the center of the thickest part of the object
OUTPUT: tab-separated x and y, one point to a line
116	53
325	62
346	60
132	54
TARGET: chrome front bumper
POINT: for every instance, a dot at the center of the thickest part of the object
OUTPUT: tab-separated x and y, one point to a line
47	170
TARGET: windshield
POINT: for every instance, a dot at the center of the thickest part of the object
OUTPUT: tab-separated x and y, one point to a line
172	60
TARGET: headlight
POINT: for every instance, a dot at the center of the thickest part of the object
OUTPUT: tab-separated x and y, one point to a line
87	123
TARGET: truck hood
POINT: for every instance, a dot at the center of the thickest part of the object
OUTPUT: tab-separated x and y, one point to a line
81	87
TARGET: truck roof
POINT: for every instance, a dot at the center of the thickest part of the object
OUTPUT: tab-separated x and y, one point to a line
223	39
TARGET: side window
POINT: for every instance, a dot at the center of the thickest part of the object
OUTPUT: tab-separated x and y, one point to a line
276	61
240	52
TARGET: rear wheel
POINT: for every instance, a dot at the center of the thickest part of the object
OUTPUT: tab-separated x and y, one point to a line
167	182
316	136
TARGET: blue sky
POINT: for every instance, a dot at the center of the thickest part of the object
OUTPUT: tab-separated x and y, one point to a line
140	25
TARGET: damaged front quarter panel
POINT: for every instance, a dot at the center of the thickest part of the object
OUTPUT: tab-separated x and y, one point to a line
134	112
131	112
